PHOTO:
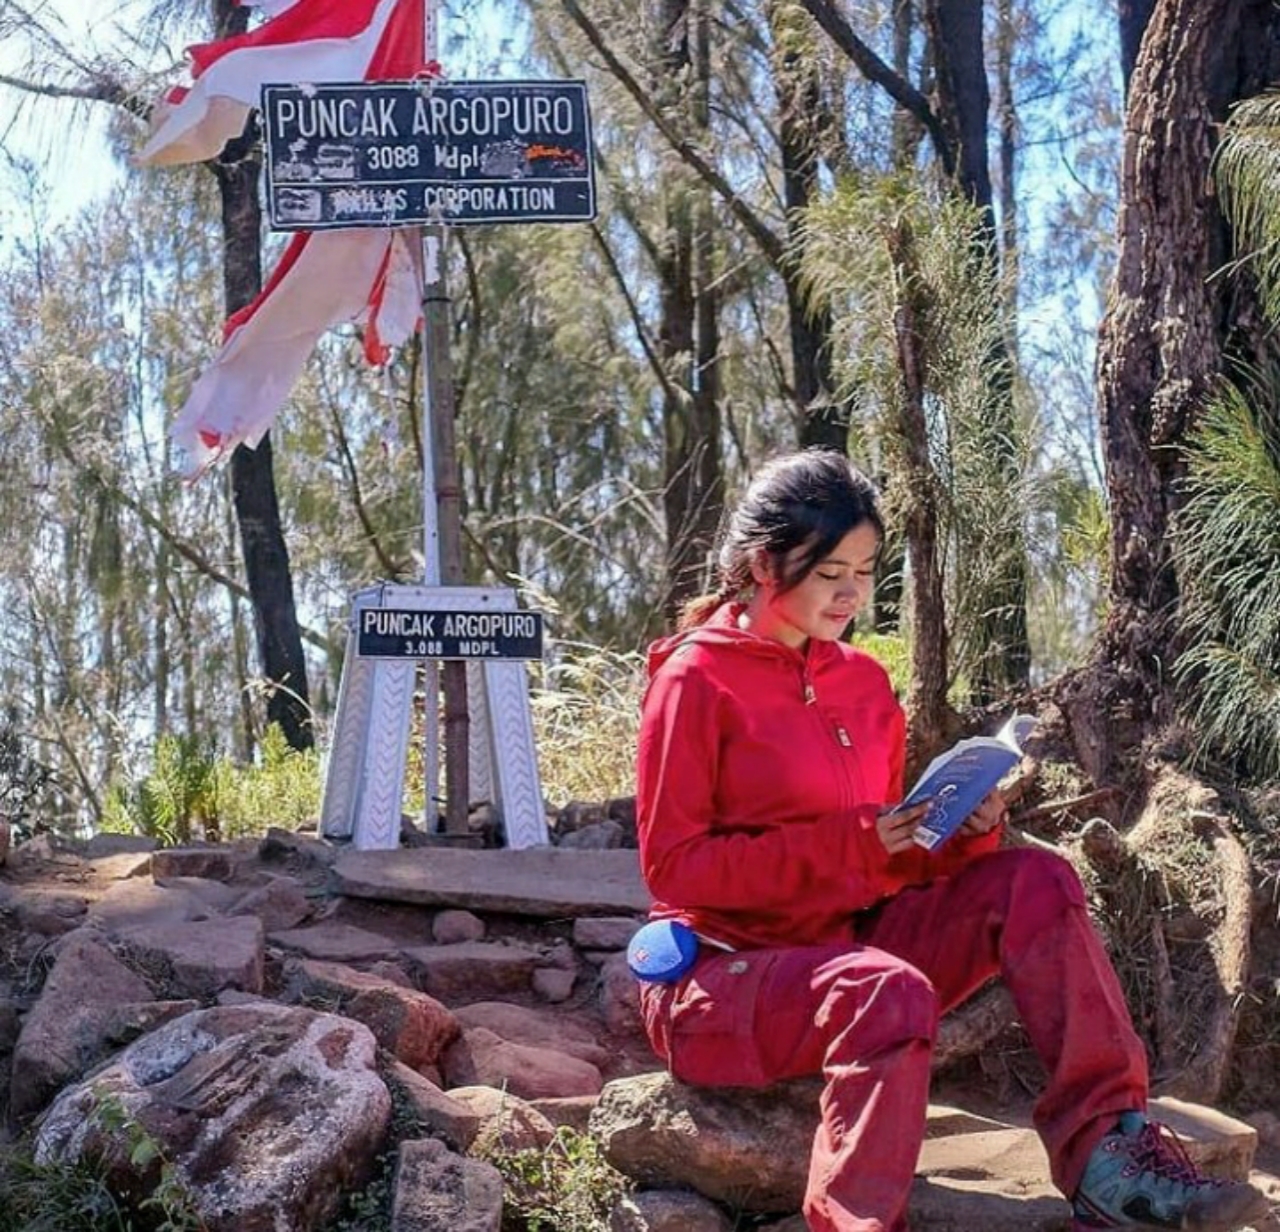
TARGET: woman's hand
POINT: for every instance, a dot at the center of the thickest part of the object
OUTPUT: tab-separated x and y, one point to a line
896	830
990	813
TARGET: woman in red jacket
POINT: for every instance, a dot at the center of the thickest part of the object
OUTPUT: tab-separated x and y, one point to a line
828	941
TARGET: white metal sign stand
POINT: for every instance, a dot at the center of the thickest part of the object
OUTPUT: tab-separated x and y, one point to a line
364	780
364	777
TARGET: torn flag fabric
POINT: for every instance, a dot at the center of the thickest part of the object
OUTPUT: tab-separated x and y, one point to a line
307	41
371	277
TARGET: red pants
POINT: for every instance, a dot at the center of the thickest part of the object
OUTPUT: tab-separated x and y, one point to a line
864	1016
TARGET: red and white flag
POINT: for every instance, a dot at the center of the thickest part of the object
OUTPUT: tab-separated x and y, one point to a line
307	41
371	277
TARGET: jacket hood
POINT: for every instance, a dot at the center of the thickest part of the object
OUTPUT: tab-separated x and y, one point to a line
722	630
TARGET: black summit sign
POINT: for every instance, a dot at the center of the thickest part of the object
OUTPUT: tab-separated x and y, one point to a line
387	154
404	633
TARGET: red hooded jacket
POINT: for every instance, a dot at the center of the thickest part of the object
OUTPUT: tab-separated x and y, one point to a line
760	773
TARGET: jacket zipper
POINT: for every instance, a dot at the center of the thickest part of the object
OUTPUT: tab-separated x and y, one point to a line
838	731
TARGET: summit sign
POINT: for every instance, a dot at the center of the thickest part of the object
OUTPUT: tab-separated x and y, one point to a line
400	153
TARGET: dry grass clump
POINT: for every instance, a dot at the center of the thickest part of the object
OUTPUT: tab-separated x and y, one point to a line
586	712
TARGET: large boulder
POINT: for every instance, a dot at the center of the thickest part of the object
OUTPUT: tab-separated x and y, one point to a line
747	1148
91	1004
268	1113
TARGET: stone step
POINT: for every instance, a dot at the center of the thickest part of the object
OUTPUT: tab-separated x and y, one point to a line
542	882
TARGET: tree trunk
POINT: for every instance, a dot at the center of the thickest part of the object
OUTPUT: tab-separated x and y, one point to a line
927	709
1134	16
824	422
266	556
1162	343
964	101
688	331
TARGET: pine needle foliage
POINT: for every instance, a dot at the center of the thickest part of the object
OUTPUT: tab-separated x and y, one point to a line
1247	172
960	324
1227	552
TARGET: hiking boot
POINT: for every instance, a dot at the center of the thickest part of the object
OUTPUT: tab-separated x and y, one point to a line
1139	1176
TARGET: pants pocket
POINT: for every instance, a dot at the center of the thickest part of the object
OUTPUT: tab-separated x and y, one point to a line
711	1021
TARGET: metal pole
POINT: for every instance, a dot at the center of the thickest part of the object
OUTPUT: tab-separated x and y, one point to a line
442	525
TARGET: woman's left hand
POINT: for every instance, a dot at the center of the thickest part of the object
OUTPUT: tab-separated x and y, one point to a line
990	813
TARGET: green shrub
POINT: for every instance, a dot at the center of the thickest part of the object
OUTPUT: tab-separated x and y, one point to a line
81	1196
566	1186
191	793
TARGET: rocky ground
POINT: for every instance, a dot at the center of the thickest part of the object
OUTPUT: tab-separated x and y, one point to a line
273	1015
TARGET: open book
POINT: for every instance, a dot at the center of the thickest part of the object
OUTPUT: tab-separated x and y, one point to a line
957	781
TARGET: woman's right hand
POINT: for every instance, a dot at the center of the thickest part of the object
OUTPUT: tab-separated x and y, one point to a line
896	828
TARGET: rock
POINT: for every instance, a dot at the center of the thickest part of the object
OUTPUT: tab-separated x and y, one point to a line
109	846
1218	1144
392	973
122	867
573	1111
281	904
216	896
42	849
744	1147
450	927
48	913
335	942
668	1210
577	815
4	841
438	1191
266	1112
944	1121
620	997
990	1179
472	969
434	1108
1267	1127
297	852
536	1027
91	1003
561	955
622	809
507	1122
604	932
210	863
751	1149
201	957
481	1058
412	1026
552	984
136	903
545	882
603	836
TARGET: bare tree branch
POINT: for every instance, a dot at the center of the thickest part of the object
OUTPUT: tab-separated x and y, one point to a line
633	310
101	90
770	244
874	69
